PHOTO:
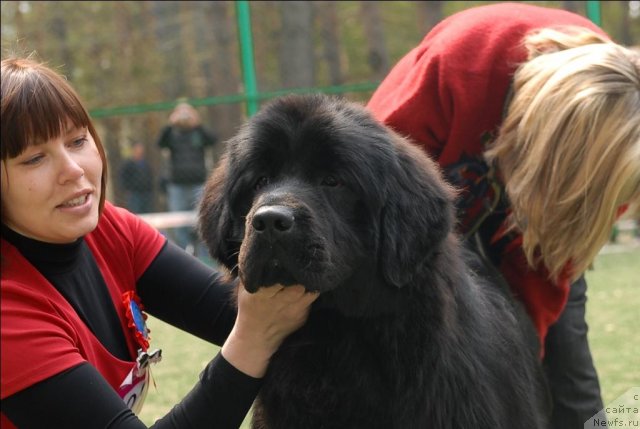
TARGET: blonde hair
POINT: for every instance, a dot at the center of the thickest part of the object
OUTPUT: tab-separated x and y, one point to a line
569	147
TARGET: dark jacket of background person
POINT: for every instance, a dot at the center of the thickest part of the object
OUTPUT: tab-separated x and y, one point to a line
186	139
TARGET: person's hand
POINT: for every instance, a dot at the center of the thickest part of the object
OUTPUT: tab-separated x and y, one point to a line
265	319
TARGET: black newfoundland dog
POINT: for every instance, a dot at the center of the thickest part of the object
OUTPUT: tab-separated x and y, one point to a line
405	334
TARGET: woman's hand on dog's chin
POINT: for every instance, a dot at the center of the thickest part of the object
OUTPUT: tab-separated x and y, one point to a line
265	319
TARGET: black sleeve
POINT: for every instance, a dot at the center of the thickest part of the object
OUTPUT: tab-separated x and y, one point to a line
164	140
188	294
210	138
80	398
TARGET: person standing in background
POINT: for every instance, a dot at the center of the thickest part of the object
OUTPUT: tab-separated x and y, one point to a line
136	179
185	140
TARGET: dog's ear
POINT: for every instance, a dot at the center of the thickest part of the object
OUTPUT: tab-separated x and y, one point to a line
417	214
214	216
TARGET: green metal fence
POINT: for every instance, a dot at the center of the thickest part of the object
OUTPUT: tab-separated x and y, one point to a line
252	96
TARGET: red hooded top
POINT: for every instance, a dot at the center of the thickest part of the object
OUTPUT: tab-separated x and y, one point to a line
448	95
43	335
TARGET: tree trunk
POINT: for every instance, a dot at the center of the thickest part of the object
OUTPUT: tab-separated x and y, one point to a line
297	62
168	21
329	35
430	14
625	24
59	31
110	140
572	5
378	57
221	69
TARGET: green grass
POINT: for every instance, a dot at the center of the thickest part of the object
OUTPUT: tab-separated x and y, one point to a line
613	314
183	358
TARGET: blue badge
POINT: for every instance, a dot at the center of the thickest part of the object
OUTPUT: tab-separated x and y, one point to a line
138	319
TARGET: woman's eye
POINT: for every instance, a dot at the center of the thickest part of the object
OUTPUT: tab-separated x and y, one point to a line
262	182
330	181
33	160
79	142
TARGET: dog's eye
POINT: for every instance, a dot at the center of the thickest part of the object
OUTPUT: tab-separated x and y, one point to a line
330	181
261	182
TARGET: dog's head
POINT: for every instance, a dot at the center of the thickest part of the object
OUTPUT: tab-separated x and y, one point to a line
313	190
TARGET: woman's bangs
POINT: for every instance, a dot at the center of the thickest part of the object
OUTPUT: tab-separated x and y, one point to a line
43	110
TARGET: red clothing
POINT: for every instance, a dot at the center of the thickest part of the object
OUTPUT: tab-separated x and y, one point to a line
42	334
447	95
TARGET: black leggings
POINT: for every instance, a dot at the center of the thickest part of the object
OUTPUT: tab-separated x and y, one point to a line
572	378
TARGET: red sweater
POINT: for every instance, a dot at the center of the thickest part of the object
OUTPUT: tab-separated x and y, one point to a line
42	335
448	94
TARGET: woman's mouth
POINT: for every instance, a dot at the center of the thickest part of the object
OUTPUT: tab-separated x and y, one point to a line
78	201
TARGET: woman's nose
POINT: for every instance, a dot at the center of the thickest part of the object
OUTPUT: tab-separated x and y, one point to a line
70	169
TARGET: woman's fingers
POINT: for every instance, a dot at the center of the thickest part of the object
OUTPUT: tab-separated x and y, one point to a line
289	294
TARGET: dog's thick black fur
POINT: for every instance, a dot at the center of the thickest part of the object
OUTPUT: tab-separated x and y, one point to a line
314	191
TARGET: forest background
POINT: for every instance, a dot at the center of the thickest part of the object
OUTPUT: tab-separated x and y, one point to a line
131	60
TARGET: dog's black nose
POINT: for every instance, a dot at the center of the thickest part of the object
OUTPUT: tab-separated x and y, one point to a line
273	219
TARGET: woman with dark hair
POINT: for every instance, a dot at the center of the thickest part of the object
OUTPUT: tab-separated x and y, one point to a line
77	273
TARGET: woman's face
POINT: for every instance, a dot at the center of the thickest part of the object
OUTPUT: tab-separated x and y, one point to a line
51	191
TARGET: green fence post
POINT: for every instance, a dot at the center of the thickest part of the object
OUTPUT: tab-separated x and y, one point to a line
246	51
593	12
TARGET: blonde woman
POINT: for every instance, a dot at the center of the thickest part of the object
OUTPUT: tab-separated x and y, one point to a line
534	114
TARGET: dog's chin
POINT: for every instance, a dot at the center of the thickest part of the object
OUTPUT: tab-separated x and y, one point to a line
271	274
254	276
